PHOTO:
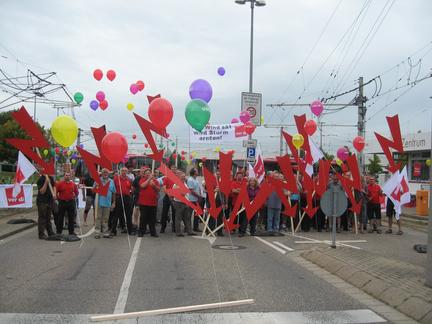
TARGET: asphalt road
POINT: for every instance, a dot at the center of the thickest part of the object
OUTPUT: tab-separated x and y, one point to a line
92	277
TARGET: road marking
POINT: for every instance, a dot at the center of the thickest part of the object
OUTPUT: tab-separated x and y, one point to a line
324	242
325	317
283	246
271	245
124	290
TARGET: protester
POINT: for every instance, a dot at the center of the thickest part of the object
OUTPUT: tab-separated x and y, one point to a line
374	205
136	191
67	192
44	200
183	212
334	183
252	190
106	204
89	197
235	190
167	203
195	194
274	206
148	199
220	202
390	213
123	209
362	196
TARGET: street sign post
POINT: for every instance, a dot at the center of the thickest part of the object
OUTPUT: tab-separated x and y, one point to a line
333	204
250	143
252	103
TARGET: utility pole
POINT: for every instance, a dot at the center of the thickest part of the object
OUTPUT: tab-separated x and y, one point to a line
281	142
176	159
361	128
79	136
429	244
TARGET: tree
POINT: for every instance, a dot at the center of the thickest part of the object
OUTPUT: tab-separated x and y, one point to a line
374	167
9	128
327	156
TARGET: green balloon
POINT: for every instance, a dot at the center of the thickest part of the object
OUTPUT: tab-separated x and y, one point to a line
78	97
197	114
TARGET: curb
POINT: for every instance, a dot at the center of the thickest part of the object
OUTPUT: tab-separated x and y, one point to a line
406	302
18	230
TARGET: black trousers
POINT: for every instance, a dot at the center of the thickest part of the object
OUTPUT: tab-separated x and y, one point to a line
122	209
148	216
44	219
244	222
166	205
69	207
196	219
213	223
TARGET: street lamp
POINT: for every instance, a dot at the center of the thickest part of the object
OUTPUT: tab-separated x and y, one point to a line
253	3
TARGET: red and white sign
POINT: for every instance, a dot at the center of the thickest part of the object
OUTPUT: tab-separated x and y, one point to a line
417	169
251	102
216	134
24	170
23	199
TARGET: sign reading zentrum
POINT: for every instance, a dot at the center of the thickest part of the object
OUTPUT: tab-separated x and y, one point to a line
252	103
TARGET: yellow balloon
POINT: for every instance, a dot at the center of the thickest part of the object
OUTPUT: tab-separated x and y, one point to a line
339	162
217	149
193	154
298	140
200	164
428	162
64	130
262	119
73	161
69	153
130	106
45	152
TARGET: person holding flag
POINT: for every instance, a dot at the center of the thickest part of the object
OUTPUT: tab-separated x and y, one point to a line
44	200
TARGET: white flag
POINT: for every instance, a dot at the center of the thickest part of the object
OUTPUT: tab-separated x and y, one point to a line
251	172
316	156
397	190
24	170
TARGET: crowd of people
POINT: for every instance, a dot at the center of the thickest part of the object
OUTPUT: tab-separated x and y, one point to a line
131	202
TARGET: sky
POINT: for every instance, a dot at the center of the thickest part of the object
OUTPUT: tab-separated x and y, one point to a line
303	51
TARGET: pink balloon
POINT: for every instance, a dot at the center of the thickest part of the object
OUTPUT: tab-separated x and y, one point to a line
342	153
100	96
234	121
133	88
245	116
317	107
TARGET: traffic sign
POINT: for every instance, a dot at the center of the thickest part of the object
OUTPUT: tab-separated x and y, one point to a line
334	202
251	152
250	143
252	103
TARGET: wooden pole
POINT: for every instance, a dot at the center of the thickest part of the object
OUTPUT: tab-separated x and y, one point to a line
173	310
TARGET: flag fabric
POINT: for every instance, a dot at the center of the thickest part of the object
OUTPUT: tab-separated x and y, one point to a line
251	172
316	155
24	170
259	170
396	189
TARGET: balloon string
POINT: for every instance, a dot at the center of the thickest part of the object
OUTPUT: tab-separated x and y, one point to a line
121	197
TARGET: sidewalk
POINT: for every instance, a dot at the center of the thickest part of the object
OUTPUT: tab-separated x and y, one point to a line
11	229
394	276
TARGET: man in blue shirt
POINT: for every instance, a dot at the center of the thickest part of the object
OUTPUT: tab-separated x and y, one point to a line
195	195
105	205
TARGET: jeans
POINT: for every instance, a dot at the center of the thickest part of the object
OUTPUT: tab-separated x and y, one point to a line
273	218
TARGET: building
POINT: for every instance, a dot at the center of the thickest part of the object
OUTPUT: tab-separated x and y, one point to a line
417	150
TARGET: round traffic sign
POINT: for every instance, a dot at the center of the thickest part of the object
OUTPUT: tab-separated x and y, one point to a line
334	202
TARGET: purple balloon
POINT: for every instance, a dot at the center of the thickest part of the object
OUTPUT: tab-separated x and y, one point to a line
94	104
221	71
201	89
81	145
74	156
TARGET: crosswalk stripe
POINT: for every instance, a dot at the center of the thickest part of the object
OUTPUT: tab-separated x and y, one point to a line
283	246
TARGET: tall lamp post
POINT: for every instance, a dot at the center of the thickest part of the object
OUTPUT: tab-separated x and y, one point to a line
253	3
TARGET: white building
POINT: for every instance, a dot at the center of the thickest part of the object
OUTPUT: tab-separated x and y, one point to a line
417	149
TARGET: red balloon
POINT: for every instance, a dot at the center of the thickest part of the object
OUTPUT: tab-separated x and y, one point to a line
111	75
103	104
183	152
134	136
310	127
249	127
146	145
174	156
183	158
114	146
160	112
98	74
57	150
359	143
140	85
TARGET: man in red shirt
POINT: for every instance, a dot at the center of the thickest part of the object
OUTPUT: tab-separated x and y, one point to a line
235	190
67	191
147	200
374	206
167	203
123	209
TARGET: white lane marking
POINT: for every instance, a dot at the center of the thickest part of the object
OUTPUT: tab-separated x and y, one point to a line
326	317
271	245
283	246
124	290
324	242
344	241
